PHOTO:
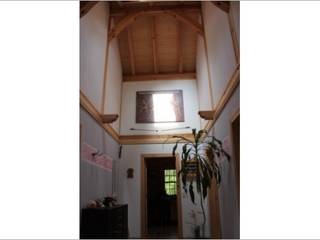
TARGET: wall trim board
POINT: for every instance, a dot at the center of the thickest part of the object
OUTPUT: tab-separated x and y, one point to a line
88	106
95	114
160	76
143	193
227	94
152	139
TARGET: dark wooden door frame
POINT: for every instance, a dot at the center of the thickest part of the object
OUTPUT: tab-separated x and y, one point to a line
236	162
143	193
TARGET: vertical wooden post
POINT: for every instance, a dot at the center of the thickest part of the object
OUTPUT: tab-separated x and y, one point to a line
105	75
235	41
214	209
207	59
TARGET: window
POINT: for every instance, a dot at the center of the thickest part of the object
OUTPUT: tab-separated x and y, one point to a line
159	106
170	180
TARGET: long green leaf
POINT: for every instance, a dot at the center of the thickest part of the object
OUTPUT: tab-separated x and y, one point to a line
191	192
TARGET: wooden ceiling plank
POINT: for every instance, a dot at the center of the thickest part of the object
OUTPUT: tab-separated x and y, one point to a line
162	76
154	45
184	19
131	51
222	5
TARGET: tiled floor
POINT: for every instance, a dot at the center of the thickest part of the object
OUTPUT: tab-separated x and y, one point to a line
163	232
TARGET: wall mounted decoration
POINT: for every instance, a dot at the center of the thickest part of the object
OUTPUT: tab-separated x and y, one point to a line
130	173
93	156
159	106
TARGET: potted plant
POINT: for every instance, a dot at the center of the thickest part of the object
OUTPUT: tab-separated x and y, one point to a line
198	164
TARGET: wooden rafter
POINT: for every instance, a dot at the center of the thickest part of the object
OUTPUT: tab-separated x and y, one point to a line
153	9
222	5
123	24
154	45
129	19
131	51
235	41
186	20
179	47
86	6
162	76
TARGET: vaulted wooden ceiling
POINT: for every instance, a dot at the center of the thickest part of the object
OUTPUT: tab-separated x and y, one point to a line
157	40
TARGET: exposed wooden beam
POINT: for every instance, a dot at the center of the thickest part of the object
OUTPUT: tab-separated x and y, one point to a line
207	115
186	20
154	45
105	74
207	62
130	18
162	76
222	5
131	51
179	49
235	41
109	118
153	139
86	6
154	9
227	94
123	24
94	113
231	86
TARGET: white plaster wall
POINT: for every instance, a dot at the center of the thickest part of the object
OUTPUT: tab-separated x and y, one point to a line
235	13
220	48
94	181
202	79
190	100
230	222
93	37
114	83
129	189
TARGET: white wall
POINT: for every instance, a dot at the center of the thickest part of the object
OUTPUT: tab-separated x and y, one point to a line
129	189
95	182
230	224
93	42
222	64
220	48
202	80
190	100
93	39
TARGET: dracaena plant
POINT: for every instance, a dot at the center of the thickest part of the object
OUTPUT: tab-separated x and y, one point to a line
198	164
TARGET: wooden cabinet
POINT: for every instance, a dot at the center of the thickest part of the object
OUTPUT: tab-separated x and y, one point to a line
99	223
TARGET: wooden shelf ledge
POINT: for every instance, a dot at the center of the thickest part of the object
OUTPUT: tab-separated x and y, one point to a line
109	118
207	115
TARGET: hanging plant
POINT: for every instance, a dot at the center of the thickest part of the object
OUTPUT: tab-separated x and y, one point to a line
198	164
